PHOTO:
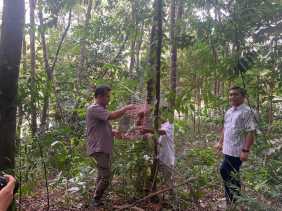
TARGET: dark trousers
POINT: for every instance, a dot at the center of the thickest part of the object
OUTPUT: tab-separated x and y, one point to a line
103	180
229	171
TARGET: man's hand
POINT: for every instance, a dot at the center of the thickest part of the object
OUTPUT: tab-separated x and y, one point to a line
147	136
117	114
117	134
129	107
144	130
244	156
249	141
7	193
218	147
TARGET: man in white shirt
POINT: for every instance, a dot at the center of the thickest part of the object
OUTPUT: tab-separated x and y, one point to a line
236	140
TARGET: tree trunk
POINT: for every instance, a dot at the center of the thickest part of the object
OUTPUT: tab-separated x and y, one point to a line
133	38
44	115
49	69
257	93
32	73
173	59
10	55
20	103
139	44
153	84
81	66
270	108
178	25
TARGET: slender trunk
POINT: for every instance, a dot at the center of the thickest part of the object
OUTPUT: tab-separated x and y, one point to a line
32	69
132	58
50	70
139	44
154	80
178	27
49	73
59	109
81	67
173	59
20	105
19	124
133	38
199	101
270	110
257	93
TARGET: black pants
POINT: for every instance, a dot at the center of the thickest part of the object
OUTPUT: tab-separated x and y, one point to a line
229	171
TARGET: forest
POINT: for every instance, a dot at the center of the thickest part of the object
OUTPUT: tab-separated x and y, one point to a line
181	55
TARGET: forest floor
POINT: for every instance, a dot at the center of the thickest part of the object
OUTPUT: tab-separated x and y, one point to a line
59	201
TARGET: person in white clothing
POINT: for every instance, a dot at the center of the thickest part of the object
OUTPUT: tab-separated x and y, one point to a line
237	138
166	148
166	152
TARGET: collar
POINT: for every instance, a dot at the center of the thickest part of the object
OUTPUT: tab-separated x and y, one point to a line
236	108
100	105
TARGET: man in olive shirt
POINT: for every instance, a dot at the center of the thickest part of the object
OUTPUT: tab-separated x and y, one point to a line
100	138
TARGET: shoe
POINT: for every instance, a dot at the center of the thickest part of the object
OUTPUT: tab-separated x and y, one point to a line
97	203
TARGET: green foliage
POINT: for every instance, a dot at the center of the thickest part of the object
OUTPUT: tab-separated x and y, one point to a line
214	39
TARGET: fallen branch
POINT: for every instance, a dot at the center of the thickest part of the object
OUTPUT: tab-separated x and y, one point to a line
155	194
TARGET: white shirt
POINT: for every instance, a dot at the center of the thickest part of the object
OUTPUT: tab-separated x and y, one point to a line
237	122
166	152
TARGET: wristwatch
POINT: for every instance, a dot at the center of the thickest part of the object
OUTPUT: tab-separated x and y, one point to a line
245	150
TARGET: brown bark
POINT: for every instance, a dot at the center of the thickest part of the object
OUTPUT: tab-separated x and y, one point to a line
153	84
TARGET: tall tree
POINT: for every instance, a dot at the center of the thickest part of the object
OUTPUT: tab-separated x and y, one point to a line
10	55
47	67
32	4
134	25
81	67
153	84
173	53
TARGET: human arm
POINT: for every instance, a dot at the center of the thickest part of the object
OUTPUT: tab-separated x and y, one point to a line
118	113
219	144
7	193
249	141
250	128
150	130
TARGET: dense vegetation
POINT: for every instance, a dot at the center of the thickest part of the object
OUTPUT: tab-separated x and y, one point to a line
200	49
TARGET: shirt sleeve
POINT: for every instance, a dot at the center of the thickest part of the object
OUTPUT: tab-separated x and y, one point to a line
250	121
100	113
